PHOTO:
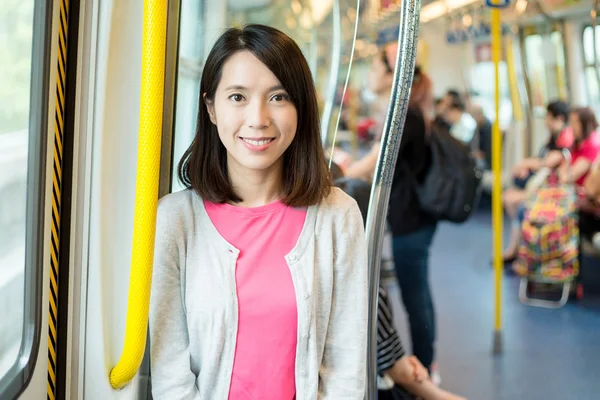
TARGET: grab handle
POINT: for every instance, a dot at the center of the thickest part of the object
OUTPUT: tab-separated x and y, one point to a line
146	199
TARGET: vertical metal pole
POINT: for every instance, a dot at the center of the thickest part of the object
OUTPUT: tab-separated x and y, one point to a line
386	163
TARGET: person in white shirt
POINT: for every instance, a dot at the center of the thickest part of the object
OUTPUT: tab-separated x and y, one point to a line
463	125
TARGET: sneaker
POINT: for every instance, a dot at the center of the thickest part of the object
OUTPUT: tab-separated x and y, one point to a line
435	374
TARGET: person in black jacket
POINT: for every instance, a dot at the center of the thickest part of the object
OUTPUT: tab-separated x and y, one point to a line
412	229
400	376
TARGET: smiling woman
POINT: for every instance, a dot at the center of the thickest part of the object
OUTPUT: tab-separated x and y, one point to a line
273	306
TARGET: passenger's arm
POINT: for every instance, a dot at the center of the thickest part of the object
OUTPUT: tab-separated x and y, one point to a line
172	377
577	170
533	163
553	159
342	374
365	167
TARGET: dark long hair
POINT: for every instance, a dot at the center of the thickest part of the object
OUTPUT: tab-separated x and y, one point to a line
588	121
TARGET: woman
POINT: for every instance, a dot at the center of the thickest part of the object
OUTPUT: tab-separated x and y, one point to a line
411	228
583	151
260	272
560	137
584	154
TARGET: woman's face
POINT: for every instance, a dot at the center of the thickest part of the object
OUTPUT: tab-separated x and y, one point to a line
575	125
379	79
254	115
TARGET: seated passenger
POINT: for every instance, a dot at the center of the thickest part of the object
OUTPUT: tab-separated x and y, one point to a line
583	151
395	367
559	137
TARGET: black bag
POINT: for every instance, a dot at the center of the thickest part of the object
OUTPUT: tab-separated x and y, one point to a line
359	190
452	185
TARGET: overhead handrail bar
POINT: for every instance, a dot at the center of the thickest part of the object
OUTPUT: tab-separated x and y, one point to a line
146	199
388	153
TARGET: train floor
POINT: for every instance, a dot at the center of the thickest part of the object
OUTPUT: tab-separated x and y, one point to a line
548	354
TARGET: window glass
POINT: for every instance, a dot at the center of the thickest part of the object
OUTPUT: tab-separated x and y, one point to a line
591	78
16	44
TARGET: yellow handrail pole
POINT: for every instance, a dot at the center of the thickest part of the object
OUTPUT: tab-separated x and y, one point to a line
497	188
512	80
146	199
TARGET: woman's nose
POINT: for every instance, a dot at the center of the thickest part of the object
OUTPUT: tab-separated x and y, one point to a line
258	115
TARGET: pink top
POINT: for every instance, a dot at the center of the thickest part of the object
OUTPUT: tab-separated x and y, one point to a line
587	149
265	352
565	138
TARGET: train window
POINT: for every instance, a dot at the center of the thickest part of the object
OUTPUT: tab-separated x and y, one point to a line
15	67
545	59
23	87
591	78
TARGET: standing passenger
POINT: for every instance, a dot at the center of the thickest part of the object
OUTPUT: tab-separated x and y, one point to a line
260	268
412	229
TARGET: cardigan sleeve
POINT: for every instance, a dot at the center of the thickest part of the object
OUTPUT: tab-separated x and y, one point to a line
172	377
342	374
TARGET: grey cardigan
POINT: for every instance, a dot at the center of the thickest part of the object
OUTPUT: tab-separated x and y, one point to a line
193	313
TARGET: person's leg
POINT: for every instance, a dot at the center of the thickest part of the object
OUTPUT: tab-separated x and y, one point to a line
411	257
513	201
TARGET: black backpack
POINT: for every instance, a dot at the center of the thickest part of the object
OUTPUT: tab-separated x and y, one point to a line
452	185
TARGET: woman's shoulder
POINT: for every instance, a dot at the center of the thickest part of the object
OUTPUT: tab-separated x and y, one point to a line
178	205
591	145
338	204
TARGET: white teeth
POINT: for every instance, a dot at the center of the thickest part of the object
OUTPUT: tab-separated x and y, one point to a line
257	142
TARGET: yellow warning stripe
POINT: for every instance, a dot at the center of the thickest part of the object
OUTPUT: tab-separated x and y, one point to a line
56	193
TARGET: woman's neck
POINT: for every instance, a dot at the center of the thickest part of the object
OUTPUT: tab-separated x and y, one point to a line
257	187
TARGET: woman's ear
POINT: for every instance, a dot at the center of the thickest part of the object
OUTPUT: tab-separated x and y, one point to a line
210	107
